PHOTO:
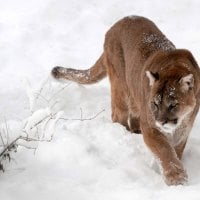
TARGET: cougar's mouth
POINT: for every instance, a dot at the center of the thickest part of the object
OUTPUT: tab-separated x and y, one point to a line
167	127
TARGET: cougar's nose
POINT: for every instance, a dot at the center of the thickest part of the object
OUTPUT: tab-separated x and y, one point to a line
164	122
173	121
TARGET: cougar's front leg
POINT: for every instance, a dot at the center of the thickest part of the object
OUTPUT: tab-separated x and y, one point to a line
180	148
173	170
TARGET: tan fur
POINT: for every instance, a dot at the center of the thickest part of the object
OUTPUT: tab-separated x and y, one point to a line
154	88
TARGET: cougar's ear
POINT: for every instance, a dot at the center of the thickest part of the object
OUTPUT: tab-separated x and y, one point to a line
152	77
187	82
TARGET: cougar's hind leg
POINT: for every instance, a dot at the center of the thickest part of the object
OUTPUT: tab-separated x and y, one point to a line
119	95
134	124
119	105
134	117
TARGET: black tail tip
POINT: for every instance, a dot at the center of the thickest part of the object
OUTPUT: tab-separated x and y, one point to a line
55	72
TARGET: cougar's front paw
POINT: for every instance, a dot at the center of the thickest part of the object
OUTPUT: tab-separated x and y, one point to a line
175	175
56	72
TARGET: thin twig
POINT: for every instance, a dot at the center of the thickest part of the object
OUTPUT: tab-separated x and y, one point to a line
40	91
59	91
54	104
27	147
81	113
45	126
83	119
41	96
40	122
7	135
2	140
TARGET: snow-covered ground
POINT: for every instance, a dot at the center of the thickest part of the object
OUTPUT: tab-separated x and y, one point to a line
90	159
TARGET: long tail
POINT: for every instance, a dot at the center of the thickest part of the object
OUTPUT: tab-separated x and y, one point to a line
89	76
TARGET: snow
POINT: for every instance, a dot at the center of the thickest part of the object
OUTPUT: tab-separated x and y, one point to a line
157	42
86	159
36	117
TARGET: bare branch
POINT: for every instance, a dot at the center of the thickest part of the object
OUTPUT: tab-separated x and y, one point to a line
9	147
40	122
28	139
83	119
27	147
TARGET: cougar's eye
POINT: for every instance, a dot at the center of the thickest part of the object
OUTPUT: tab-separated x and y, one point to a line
155	105
172	106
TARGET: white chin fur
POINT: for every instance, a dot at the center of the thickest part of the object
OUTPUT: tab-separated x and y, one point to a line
167	128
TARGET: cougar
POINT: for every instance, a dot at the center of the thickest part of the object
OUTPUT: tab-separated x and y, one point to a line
154	89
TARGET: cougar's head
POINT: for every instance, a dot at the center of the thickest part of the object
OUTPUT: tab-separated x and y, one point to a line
171	98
